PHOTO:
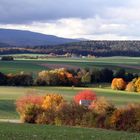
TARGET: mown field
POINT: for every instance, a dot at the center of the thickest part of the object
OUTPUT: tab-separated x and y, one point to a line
8	96
44	132
35	65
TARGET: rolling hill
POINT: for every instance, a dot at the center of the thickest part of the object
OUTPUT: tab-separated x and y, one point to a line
28	38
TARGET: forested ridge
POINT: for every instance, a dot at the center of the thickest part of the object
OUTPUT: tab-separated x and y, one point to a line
100	48
97	48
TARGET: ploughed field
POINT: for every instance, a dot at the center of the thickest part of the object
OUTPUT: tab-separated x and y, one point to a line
36	65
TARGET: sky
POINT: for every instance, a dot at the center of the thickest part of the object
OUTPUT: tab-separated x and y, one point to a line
89	19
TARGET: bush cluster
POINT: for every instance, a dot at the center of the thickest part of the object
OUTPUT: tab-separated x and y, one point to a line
20	79
126	118
7	58
120	84
53	109
57	77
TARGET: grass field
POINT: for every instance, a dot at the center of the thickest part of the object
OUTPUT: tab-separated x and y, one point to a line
34	66
44	132
8	95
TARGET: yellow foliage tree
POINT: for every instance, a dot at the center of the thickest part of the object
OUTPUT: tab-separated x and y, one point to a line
131	87
137	85
56	76
52	101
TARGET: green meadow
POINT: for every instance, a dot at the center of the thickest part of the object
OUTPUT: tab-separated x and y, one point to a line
46	132
36	65
9	95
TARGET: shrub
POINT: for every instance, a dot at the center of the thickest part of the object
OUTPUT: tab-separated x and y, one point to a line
118	84
20	79
137	85
102	106
89	119
86	78
103	110
52	101
24	104
66	114
70	113
57	77
49	77
85	95
7	58
46	117
40	82
41	118
96	76
30	113
125	118
52	109
3	79
131	87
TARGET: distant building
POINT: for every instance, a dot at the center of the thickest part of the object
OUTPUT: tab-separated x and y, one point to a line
73	55
67	55
85	102
51	54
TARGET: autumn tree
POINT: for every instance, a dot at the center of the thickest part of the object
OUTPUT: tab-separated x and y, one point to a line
137	85
131	87
57	77
118	84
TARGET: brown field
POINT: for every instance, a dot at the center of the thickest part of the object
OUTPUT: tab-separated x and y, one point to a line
57	66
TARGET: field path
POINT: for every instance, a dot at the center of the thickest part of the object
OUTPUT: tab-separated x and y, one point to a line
10	120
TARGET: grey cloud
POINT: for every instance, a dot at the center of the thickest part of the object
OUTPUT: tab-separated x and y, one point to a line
27	11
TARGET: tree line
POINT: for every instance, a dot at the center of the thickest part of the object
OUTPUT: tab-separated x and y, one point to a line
64	77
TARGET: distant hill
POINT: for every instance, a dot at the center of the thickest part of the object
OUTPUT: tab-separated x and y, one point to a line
4	45
33	44
27	38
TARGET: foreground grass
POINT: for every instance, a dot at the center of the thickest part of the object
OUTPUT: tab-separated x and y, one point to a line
8	96
45	132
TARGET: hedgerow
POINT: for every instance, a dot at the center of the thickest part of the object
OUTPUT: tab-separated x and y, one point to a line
53	109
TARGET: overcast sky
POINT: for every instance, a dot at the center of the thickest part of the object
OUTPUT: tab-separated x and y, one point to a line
91	19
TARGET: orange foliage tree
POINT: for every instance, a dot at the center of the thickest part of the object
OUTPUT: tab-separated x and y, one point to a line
28	107
118	84
28	100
